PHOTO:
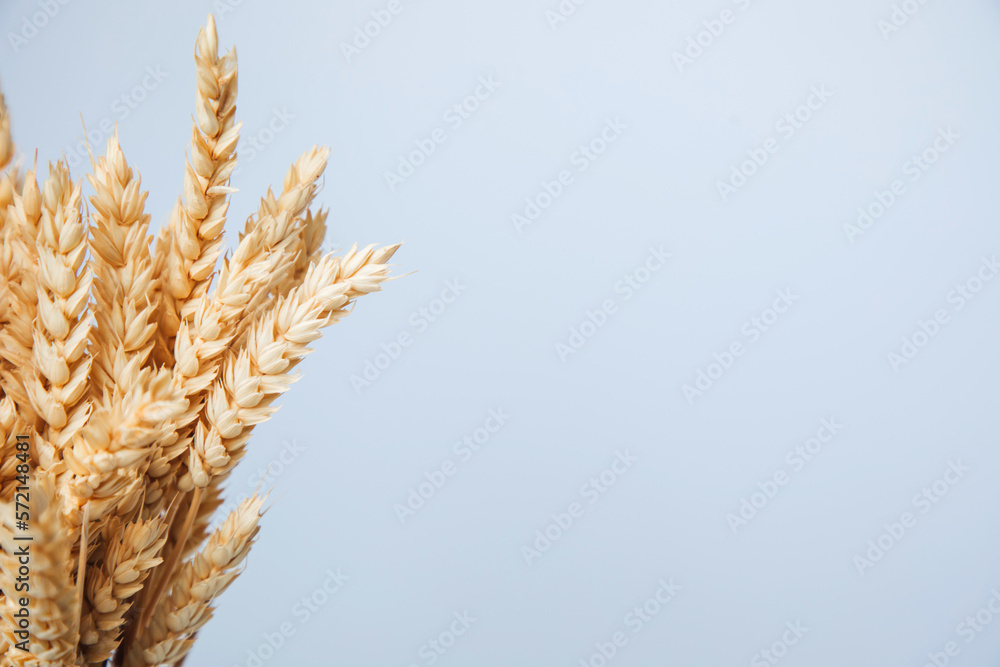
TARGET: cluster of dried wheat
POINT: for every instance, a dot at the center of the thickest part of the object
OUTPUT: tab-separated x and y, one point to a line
138	383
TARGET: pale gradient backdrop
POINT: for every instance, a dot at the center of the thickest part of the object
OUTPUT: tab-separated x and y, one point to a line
576	263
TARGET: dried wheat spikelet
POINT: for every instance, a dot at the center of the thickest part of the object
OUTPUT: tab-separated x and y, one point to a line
193	243
122	337
130	553
243	280
201	580
20	263
133	370
58	381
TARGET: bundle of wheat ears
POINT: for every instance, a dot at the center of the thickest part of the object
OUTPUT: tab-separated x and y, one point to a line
131	383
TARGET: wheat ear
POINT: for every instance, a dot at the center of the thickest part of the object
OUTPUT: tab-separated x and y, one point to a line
187	606
310	250
60	365
243	278
107	459
122	336
19	258
253	377
192	241
130	553
298	191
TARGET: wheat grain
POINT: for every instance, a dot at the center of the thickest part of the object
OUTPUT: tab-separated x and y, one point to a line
198	582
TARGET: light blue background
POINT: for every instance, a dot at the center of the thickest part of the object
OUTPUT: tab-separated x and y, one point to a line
495	345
